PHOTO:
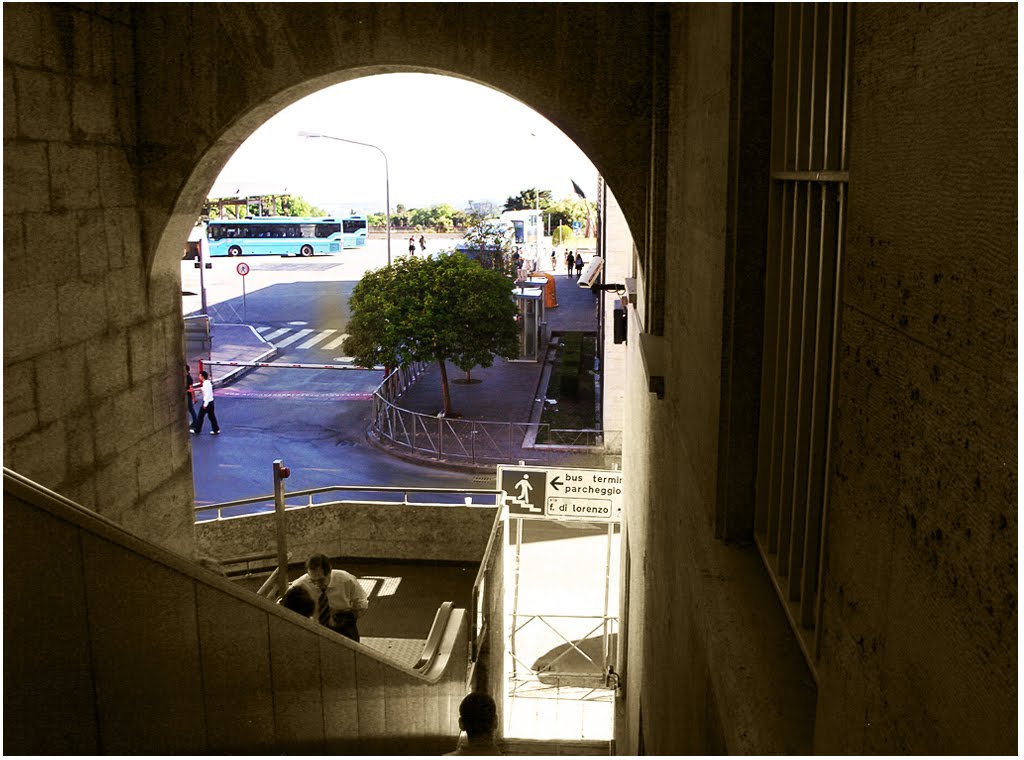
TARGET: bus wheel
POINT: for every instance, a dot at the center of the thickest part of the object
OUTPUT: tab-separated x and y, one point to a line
307	250
234	251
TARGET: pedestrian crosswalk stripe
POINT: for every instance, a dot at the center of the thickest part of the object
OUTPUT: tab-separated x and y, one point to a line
316	339
271	334
292	338
336	342
276	333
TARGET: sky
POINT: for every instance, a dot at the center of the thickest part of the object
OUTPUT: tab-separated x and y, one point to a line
446	141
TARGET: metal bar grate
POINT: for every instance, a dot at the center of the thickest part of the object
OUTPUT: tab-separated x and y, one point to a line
805	240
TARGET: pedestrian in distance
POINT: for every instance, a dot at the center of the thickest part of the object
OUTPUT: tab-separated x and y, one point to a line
478	717
340	599
579	265
570	262
190	395
554	261
412	246
207	407
423	244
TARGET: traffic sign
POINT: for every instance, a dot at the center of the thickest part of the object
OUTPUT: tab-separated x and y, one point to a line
242	268
561	493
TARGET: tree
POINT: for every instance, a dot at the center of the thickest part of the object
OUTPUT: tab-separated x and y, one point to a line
444	308
489	241
293	205
568	210
438	218
561	234
529	198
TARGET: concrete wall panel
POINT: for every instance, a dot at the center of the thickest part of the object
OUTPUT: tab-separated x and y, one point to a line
298	706
238	694
133	599
926	421
341	710
375	531
48	691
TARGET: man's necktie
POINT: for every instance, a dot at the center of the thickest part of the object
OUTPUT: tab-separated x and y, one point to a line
325	608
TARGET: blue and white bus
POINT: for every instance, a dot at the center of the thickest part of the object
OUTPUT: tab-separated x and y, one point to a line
284	235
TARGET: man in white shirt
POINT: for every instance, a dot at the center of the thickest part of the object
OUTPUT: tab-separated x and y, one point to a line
340	599
207	407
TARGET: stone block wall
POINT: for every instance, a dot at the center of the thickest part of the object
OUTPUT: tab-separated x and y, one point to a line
92	344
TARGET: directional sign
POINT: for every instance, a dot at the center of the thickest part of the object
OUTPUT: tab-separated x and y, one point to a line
242	268
561	493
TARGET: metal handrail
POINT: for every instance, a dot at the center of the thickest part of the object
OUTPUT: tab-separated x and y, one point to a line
405	490
476	636
433	642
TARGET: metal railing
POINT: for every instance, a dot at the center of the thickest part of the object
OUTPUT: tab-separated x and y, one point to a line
308	494
595	674
471	441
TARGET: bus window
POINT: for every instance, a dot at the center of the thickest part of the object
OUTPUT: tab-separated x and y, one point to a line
326	230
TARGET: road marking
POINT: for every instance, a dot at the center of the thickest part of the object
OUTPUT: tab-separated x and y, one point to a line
292	338
335	343
313	395
274	334
316	339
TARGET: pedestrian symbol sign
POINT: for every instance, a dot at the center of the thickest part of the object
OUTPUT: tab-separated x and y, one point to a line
561	493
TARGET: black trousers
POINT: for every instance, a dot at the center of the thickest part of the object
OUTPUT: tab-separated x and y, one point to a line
345	624
207	410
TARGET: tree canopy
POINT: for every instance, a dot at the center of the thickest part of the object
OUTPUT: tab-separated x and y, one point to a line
442	308
489	241
529	198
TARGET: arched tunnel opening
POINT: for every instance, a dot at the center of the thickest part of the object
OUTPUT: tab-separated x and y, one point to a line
385	173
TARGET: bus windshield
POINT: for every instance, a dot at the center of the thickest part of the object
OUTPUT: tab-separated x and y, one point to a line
284	236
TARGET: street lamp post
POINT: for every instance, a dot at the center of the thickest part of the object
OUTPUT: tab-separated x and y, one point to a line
387	176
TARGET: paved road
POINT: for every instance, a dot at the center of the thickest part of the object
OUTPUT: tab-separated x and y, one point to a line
314	420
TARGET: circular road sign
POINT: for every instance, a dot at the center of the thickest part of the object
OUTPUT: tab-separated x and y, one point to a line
242	268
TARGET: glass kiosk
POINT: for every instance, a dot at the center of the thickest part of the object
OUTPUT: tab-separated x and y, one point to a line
530	301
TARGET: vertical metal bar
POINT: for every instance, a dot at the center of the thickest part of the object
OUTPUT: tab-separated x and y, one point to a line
824	344
836	314
606	644
776	216
280	473
797	283
515	591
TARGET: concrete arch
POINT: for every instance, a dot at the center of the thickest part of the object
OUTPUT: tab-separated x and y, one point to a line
211	163
249	62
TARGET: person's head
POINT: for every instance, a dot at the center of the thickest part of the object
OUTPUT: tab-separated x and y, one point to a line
478	716
205	375
297	599
318	567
